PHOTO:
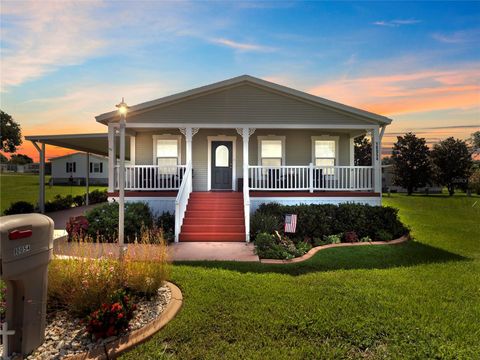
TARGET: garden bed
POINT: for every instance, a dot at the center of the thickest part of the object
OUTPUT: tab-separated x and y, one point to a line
66	336
321	225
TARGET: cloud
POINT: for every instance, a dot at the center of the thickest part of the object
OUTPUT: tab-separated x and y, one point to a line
411	92
41	36
396	23
458	37
241	46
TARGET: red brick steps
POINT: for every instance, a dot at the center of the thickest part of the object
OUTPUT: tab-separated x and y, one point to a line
214	216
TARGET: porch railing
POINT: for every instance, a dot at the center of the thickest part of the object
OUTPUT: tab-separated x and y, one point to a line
152	177
181	201
311	178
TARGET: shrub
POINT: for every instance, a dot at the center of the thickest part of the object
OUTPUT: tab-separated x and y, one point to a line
19	207
79	200
76	227
3	300
350	236
166	222
366	239
382	235
97	196
112	318
59	203
103	220
318	221
267	247
333	239
264	223
302	248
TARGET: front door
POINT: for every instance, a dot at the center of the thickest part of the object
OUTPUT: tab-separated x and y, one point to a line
222	165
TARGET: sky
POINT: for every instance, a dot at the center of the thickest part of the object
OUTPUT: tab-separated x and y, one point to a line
63	62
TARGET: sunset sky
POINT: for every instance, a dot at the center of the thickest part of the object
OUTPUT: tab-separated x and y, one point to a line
63	62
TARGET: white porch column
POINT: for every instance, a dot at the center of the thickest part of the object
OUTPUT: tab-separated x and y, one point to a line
246	138
132	149
111	158
376	161
41	174
188	145
87	178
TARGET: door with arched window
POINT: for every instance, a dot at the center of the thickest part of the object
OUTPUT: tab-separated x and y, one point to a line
221	165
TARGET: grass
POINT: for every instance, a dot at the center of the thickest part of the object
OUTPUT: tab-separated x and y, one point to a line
16	187
419	300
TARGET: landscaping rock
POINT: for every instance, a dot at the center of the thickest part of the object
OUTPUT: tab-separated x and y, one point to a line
65	336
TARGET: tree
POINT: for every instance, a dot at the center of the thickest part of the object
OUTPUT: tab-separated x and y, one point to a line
20	159
475	141
452	163
10	133
3	159
411	163
362	151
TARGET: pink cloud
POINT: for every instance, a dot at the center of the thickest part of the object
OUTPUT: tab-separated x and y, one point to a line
407	92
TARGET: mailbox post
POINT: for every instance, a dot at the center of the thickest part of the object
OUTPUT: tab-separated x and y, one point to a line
26	248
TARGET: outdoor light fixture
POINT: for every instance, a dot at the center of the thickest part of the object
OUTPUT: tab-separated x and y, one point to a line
122	110
122	107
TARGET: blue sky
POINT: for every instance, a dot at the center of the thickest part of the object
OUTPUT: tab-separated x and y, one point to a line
417	62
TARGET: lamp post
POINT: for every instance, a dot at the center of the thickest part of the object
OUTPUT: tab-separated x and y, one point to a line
122	110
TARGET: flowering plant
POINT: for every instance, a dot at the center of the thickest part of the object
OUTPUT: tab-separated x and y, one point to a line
76	227
350	236
112	318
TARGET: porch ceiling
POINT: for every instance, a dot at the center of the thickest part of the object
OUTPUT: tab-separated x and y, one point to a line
91	143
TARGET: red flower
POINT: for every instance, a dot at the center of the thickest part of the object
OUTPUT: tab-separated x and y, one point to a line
120	316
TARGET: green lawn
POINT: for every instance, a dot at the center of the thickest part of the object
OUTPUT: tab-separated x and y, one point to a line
16	187
419	300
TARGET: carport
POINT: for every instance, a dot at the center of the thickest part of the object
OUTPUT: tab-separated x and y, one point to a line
87	143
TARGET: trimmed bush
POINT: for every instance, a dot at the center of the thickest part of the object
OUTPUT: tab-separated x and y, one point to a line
79	200
97	196
325	224
103	221
19	207
59	203
317	221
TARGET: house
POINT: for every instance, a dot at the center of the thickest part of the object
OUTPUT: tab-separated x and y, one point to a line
213	154
30	168
388	186
72	169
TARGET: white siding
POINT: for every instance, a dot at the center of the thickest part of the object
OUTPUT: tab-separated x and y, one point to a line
59	167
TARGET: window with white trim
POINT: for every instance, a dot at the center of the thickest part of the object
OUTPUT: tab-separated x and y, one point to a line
325	152
167	155
96	167
271	152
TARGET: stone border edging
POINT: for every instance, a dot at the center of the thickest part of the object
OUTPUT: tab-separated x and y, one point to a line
316	249
126	342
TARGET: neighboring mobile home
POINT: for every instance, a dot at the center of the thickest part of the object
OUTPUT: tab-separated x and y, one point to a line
215	153
72	169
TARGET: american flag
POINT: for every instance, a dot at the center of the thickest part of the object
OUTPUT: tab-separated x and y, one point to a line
290	223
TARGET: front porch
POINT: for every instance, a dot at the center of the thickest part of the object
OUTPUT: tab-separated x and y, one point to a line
263	164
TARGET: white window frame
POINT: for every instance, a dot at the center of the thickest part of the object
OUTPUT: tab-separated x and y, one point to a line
233	139
270	137
167	137
325	137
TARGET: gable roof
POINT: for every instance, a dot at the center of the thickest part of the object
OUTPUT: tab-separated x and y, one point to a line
247	79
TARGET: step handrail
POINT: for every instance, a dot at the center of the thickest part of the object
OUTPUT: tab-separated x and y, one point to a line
181	201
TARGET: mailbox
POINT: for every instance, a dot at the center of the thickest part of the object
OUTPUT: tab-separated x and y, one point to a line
26	247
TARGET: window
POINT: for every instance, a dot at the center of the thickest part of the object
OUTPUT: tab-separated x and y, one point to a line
71	167
221	156
271	151
167	155
325	152
96	167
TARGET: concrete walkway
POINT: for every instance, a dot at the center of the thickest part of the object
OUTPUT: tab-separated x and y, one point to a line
230	251
61	217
